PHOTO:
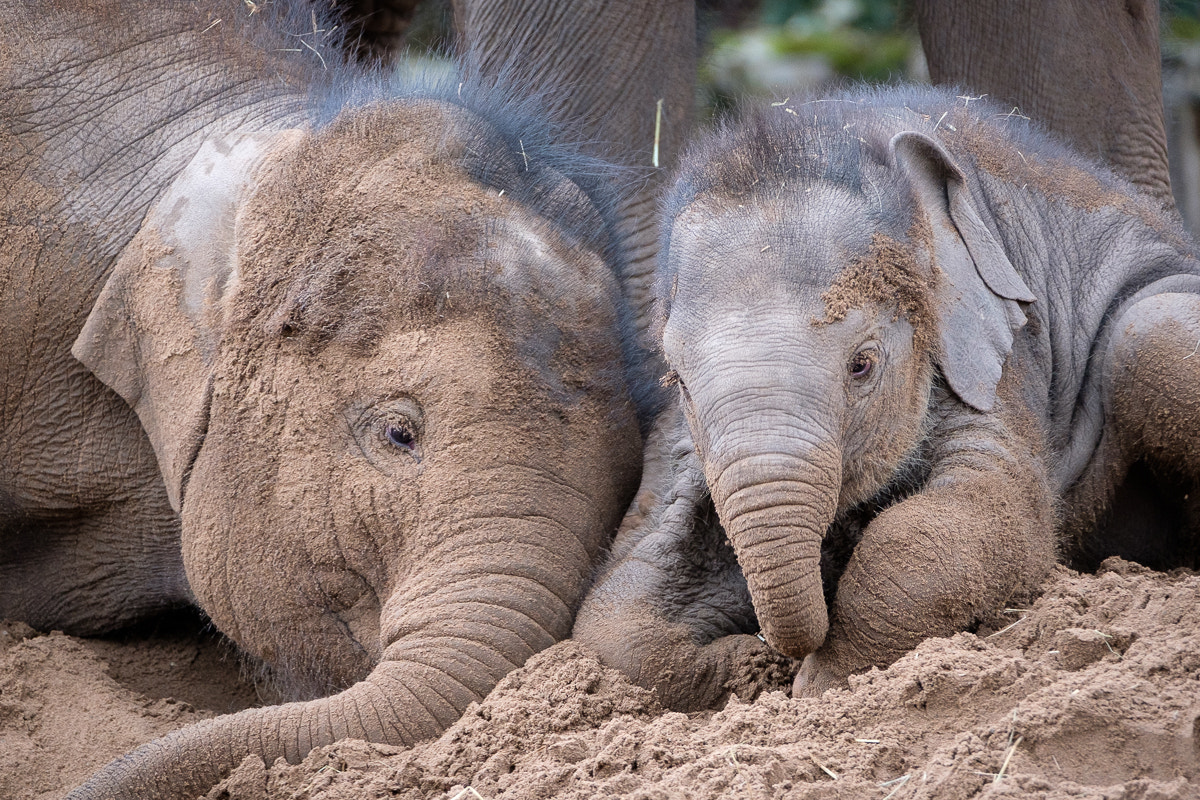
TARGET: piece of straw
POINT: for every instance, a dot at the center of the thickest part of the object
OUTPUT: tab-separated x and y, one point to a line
657	130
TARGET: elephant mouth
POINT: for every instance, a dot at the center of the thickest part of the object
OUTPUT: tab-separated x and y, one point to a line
285	674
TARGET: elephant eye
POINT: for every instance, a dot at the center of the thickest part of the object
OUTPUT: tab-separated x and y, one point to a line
861	365
399	436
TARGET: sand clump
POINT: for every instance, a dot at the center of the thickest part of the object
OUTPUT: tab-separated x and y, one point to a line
1091	692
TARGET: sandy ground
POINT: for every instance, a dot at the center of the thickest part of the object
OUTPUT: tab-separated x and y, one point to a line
1092	692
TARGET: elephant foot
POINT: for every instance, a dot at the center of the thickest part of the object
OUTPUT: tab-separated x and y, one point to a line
1152	405
687	677
817	675
757	668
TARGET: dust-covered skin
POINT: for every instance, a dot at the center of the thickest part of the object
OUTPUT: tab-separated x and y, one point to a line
338	361
922	351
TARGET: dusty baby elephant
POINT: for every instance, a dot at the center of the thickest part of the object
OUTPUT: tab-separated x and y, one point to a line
364	341
921	351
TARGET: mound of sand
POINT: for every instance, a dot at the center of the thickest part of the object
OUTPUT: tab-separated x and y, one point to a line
1092	692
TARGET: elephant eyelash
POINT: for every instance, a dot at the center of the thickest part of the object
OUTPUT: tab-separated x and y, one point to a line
669	379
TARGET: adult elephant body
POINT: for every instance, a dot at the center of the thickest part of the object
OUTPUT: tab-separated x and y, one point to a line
340	362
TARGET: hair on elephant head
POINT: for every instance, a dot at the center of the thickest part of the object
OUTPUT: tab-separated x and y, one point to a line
373	335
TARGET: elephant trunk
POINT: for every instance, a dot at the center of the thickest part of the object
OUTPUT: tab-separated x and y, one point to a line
385	707
453	647
769	434
776	508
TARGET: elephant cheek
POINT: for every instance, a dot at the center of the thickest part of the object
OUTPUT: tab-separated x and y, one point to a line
267	562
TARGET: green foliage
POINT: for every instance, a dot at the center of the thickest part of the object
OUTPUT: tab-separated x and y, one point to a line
859	38
1182	27
851	52
877	15
797	45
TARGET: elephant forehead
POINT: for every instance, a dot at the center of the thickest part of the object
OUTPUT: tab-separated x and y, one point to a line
406	212
468	355
794	240
373	197
413	132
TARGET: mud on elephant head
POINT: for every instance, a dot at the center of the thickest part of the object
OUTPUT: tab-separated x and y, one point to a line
899	350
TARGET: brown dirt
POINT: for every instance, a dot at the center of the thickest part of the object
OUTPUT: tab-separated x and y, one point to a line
69	705
1093	692
890	273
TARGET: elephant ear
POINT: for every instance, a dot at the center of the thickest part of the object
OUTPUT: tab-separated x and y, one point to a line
978	290
153	332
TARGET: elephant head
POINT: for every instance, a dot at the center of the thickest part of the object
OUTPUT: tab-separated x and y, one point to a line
814	287
380	365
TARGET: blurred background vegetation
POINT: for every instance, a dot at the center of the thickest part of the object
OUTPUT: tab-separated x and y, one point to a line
800	45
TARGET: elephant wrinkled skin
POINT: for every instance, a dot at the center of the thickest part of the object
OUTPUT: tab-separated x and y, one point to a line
922	350
363	339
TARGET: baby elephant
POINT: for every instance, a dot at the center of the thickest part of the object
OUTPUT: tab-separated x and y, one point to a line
921	352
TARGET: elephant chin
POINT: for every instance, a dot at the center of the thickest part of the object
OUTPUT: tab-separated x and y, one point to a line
776	510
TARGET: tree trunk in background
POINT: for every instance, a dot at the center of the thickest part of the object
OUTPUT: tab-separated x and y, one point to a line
1089	70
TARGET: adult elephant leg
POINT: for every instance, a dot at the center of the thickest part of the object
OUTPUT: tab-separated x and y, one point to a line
1090	70
605	68
671	609
981	531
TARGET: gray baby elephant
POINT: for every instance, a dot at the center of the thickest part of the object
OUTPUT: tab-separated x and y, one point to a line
920	352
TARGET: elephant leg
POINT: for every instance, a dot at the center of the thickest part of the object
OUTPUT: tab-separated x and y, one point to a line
1052	59
671	610
1152	399
980	532
93	570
